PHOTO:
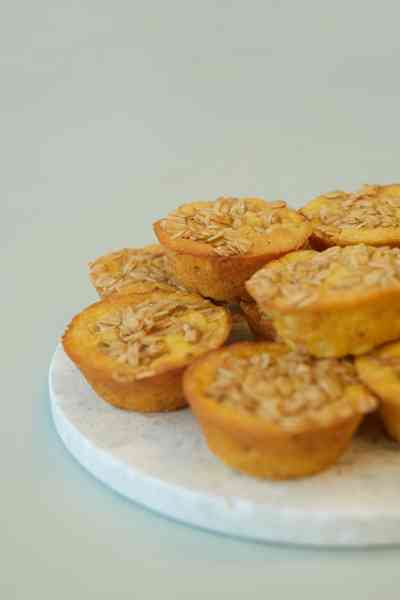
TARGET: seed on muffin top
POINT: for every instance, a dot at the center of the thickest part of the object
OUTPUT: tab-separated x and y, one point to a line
233	226
335	274
290	388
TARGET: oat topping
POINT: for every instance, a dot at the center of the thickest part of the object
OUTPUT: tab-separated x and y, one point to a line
225	224
136	335
322	275
118	270
291	389
385	360
367	208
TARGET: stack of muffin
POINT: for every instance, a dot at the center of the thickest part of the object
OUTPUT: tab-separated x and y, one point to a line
320	289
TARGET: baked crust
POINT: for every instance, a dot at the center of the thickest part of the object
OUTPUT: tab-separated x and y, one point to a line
337	302
248	439
131	270
380	371
259	321
214	247
369	216
133	348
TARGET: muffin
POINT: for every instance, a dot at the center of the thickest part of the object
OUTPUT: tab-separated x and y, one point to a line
131	270
214	247
133	348
332	303
370	216
380	371
259	321
274	413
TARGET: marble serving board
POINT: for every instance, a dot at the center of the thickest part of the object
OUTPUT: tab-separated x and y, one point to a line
162	462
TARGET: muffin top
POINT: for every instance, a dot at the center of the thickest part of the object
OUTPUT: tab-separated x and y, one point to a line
233	227
339	275
380	371
370	215
134	336
271	383
125	269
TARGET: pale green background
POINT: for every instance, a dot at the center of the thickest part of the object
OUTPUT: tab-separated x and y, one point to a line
113	112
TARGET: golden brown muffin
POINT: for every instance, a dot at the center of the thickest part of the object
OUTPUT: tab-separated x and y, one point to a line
368	216
274	413
131	270
214	247
380	371
333	303
259	321
133	348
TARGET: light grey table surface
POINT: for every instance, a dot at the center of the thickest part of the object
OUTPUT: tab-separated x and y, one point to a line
111	114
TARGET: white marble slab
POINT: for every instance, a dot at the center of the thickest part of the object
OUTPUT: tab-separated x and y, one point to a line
162	462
